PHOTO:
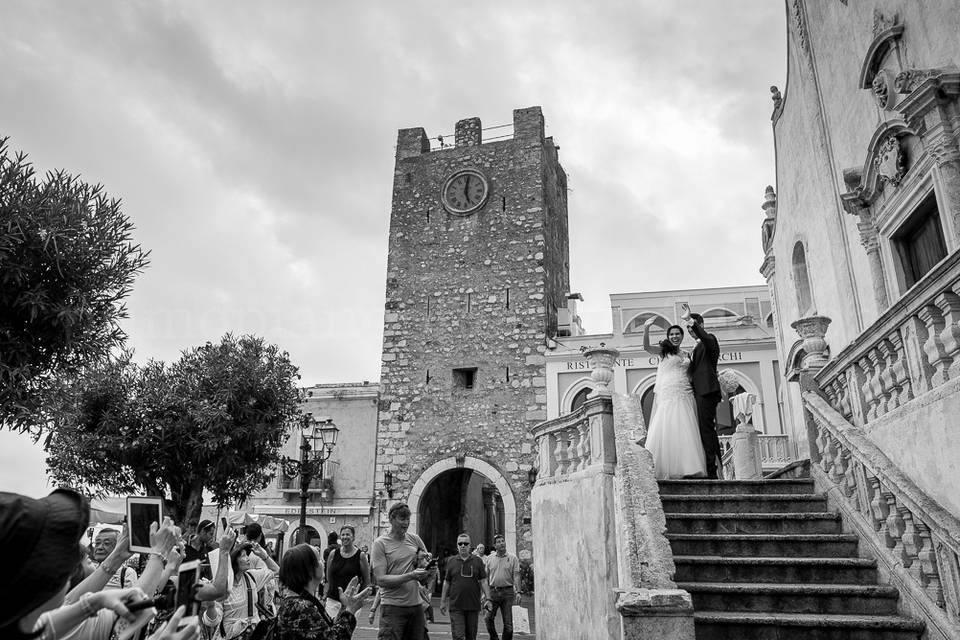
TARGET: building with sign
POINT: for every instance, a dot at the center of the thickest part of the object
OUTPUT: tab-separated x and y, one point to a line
344	494
740	317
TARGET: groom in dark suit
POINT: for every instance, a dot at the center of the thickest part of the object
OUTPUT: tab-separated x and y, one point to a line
706	385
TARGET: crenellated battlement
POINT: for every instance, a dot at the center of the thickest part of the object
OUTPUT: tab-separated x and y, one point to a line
528	127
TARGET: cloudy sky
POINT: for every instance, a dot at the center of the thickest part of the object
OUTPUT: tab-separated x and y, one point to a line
252	144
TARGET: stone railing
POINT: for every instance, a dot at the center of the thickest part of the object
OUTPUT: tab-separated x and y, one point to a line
903	368
577	440
912	348
773	452
919	536
596	483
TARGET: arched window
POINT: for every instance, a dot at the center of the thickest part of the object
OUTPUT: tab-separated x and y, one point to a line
801	279
579	399
636	325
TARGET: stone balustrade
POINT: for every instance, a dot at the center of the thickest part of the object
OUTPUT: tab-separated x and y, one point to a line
917	533
913	348
577	441
774	451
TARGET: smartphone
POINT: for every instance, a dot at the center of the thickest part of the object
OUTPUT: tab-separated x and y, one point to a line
223	521
141	513
188	577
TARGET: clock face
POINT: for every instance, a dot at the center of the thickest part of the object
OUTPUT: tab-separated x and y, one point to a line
464	191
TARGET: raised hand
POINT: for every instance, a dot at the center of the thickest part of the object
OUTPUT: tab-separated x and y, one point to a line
169	631
163	538
227	539
652	320
685	312
352	600
122	550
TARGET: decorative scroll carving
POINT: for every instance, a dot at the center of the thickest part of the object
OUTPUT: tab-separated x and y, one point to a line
908	80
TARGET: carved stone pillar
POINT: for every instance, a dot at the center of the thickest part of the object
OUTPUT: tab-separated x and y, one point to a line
869	238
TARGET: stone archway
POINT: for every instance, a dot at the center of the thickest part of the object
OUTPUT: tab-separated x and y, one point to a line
481	467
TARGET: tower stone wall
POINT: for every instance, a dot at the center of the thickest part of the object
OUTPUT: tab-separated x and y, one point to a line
471	295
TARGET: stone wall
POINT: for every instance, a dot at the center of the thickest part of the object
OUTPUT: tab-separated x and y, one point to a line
478	291
577	589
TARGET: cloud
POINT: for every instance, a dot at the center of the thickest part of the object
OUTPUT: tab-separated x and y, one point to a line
253	144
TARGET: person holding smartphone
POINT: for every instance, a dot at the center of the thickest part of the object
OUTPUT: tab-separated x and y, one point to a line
240	605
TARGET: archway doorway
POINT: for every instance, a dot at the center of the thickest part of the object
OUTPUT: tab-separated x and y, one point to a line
457	501
479	491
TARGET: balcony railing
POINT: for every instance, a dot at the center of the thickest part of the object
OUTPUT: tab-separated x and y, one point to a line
577	440
774	452
912	348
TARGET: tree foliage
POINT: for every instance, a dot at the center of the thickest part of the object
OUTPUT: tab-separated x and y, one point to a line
213	420
67	262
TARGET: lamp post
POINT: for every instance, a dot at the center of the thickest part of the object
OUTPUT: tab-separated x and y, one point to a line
317	440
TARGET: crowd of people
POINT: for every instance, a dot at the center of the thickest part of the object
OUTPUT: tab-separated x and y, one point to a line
61	590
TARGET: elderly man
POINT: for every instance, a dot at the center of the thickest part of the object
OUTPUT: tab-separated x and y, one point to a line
465	583
503	576
103	544
394	557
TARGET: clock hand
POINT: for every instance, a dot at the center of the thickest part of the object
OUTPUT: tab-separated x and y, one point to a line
466	186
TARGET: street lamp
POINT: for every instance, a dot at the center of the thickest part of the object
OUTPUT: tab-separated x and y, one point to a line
317	440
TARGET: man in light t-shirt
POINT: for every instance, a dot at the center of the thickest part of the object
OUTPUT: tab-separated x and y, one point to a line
394	558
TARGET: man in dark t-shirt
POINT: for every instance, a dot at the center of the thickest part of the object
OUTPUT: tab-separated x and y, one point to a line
465	582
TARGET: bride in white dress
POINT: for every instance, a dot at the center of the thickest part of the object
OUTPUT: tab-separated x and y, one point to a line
673	436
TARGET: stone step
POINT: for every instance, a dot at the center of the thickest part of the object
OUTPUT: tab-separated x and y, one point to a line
845	599
839	545
746	503
779	570
754	523
736	487
742	625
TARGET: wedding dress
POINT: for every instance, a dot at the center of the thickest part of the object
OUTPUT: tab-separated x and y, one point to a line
673	436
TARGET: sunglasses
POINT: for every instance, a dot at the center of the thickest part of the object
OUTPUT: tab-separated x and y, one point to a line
463	544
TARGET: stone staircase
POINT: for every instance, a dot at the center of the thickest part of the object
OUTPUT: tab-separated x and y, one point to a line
765	560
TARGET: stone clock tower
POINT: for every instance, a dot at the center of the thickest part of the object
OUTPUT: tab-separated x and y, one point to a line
478	266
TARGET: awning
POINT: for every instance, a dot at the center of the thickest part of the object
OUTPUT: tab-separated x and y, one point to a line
270	525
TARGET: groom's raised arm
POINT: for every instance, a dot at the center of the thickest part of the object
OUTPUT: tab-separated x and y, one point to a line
708	339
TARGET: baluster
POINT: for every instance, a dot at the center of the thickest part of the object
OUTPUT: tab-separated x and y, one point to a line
892	532
830	390
585	449
560	453
838	468
843	396
866	389
930	576
910	542
890	382
878	506
936	355
850	486
949	304
822	440
573	448
901	374
829	454
880	394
